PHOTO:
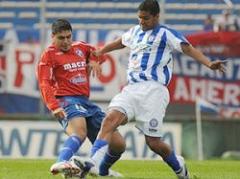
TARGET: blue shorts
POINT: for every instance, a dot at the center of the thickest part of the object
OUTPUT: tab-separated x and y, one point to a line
81	106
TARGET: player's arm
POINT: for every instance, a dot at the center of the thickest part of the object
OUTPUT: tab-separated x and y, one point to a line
46	86
114	45
94	62
200	57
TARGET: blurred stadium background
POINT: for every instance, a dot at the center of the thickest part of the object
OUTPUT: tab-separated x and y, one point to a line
26	127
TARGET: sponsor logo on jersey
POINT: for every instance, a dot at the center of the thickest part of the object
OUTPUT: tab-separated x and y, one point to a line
78	79
141	47
74	65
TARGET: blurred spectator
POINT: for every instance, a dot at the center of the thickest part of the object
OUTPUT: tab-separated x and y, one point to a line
225	22
208	23
237	21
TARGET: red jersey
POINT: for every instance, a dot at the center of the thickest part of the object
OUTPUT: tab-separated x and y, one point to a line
64	73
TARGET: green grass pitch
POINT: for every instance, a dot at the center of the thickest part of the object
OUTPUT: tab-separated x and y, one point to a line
139	169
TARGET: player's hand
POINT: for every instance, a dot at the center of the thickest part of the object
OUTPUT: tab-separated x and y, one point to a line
97	53
94	68
59	113
218	65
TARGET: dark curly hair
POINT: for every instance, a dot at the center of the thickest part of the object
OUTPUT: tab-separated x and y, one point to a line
150	6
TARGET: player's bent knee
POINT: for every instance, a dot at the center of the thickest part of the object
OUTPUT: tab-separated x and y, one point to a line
114	120
79	132
111	123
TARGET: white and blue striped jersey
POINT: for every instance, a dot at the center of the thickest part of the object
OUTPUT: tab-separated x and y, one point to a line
151	53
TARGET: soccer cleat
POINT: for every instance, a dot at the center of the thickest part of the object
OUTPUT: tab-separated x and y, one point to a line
94	172
67	168
84	166
76	176
112	173
183	174
88	167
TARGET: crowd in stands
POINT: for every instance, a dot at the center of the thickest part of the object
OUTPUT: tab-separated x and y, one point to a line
227	21
118	14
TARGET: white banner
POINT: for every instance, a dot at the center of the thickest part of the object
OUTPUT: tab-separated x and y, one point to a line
21	60
28	139
3	54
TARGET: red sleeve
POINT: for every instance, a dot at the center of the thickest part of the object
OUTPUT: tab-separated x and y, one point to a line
46	82
91	57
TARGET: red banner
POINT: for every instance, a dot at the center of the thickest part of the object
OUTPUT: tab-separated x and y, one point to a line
224	44
184	90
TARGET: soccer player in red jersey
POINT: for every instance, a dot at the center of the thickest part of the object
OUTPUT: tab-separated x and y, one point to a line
63	75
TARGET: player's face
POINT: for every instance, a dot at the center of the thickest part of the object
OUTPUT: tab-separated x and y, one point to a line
63	40
147	21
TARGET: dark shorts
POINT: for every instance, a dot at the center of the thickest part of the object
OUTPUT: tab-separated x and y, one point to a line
81	106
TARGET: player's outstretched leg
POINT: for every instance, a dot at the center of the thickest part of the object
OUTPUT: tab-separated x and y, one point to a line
178	165
63	165
183	174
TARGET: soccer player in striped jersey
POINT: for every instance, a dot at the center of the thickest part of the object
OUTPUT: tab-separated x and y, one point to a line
145	98
63	75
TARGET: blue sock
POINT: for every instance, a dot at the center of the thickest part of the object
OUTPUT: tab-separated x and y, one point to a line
172	161
71	146
109	159
99	143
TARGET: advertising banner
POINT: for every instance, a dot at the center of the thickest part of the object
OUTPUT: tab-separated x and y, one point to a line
30	139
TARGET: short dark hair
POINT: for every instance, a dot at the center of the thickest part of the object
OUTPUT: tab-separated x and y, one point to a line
61	25
150	6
